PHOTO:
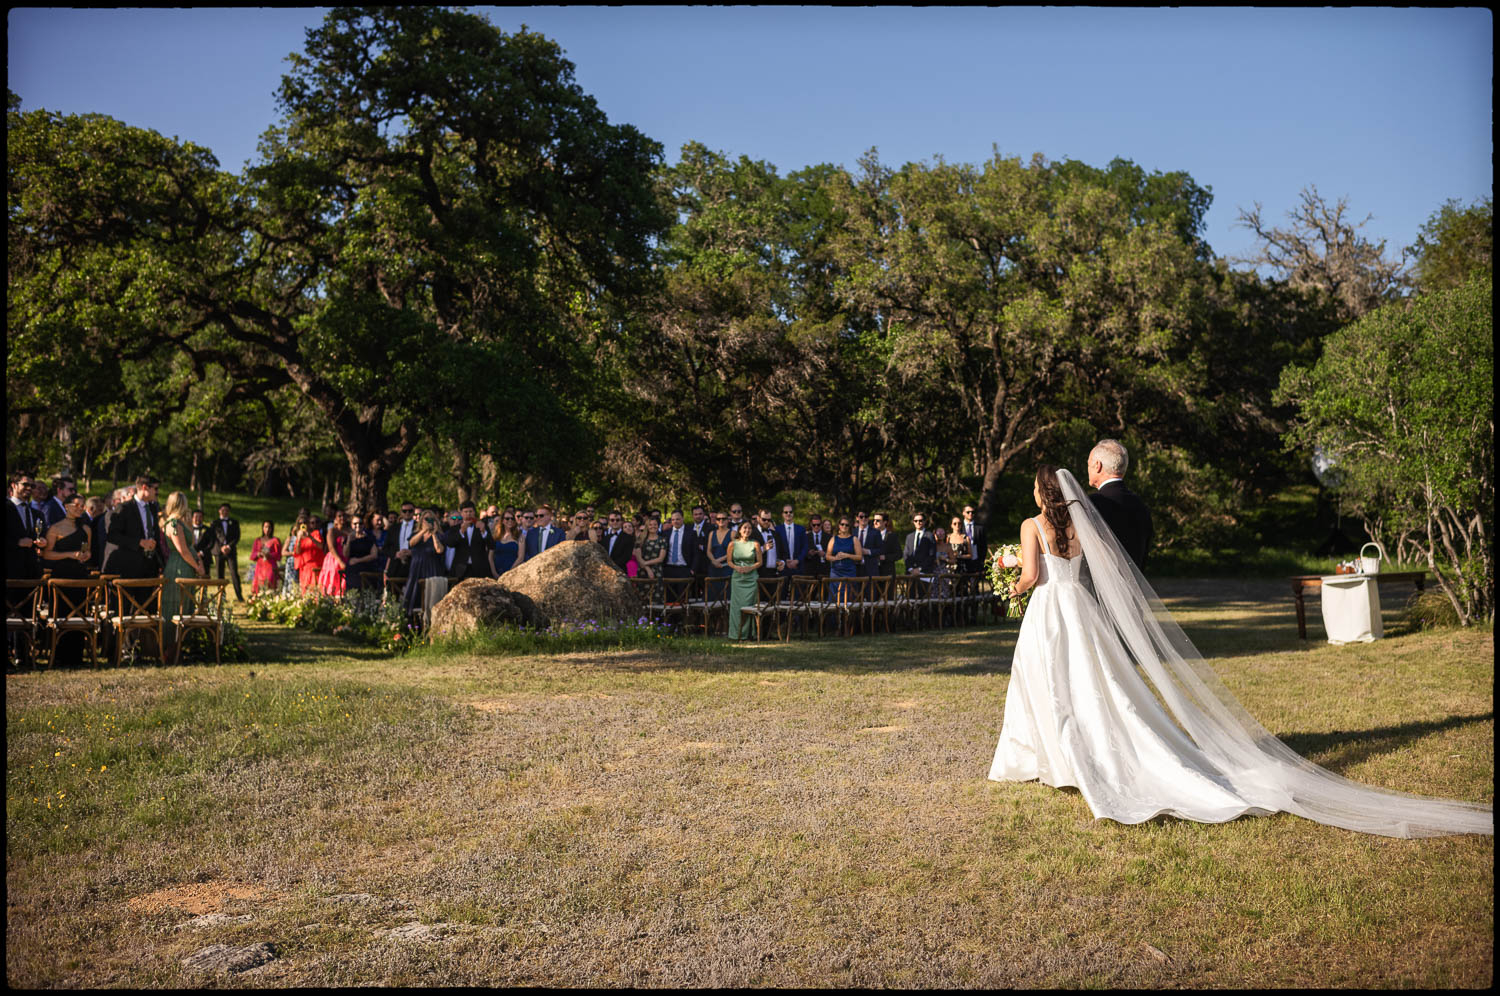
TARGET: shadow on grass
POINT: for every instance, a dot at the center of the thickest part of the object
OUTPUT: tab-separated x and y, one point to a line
273	644
1348	747
965	651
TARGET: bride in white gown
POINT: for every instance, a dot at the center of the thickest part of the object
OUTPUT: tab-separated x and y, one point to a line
1079	713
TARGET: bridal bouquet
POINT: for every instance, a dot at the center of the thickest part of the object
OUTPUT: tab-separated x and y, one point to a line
1005	571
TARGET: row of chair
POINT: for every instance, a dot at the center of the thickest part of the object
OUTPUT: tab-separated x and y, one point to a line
863	603
111	608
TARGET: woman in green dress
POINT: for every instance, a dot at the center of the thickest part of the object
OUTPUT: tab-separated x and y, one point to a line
746	554
182	562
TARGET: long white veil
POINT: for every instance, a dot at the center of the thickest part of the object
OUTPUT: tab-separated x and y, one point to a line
1249	755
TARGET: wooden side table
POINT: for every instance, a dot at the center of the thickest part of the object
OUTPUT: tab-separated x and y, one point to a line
1303	583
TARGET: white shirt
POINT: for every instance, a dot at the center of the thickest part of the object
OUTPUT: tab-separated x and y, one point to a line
407	528
1111	481
145	516
674	548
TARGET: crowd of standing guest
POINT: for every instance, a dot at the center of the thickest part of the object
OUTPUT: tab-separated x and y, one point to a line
338	552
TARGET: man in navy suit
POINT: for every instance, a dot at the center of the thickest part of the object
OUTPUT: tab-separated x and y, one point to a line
1120	508
21	544
795	539
682	551
921	547
979	544
546	535
63	490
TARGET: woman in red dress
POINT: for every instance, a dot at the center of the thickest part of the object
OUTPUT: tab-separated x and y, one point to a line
307	553
266	554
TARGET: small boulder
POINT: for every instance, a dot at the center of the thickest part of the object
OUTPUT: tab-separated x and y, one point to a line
483	602
225	958
576	581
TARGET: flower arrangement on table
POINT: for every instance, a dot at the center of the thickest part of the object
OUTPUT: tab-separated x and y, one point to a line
1005	571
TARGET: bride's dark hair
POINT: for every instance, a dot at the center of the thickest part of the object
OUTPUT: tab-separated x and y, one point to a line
1054	505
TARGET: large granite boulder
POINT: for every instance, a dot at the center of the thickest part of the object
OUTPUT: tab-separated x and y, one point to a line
577	582
483	602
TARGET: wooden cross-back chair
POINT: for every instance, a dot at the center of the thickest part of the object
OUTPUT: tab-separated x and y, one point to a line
200	605
767	605
23	610
136	609
74	608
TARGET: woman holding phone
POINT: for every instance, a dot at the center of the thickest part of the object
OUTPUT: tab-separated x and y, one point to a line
427	551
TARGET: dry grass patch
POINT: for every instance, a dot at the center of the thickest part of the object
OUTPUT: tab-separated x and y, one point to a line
813	814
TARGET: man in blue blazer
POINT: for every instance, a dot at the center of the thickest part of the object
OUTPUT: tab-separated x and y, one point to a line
63	490
795	539
545	536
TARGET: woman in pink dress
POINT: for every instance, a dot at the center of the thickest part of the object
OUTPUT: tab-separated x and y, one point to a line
331	580
266	553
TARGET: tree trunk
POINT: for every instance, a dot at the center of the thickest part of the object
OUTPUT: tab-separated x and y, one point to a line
461	480
65	437
489	474
984	511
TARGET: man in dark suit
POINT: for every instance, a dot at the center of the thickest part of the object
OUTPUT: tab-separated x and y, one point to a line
471	546
226	545
817	546
94	519
63	490
979	544
1120	508
21	544
546	535
398	540
764	532
890	544
700	528
920	548
870	542
203	538
617	543
794	538
131	544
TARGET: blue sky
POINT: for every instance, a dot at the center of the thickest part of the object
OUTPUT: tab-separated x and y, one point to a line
1389	108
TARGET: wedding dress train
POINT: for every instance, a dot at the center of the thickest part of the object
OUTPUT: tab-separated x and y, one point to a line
1079	712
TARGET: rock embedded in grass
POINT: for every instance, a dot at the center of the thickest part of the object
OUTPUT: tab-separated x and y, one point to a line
483	602
218	958
575	581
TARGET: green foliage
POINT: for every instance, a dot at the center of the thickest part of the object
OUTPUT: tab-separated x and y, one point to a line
1455	245
439	215
1402	402
360	617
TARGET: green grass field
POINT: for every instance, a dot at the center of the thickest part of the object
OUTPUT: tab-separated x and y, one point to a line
803	814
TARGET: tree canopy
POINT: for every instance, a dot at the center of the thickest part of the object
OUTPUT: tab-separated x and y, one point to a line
1402	401
442	214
